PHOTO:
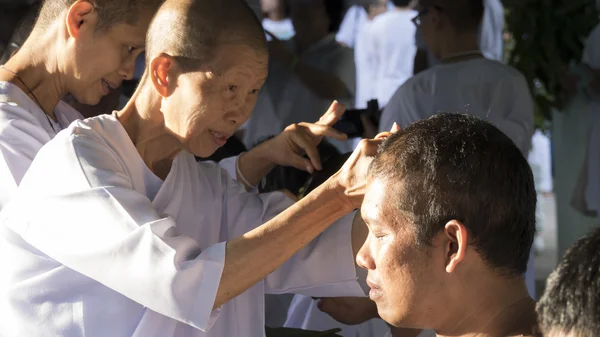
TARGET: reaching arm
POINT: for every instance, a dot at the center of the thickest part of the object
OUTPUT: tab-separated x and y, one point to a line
259	252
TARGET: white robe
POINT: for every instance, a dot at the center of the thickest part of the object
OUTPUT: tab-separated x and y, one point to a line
112	250
393	46
480	87
355	16
24	129
364	59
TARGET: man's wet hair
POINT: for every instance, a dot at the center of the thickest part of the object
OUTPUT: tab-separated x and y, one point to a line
571	303
110	12
458	167
464	15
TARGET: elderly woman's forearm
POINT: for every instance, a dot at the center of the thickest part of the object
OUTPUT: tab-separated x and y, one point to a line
258	253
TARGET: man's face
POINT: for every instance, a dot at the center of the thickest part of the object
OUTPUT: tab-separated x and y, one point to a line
401	275
209	105
104	59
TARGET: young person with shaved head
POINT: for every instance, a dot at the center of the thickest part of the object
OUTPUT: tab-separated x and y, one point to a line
78	47
132	237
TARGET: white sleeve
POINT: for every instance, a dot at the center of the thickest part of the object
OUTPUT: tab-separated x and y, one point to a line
21	137
90	219
323	268
229	165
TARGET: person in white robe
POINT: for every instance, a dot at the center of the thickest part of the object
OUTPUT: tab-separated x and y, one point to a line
464	81
364	56
490	37
58	59
131	237
354	18
393	46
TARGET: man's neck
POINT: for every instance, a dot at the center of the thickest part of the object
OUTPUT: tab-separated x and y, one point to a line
457	44
497	308
144	123
38	73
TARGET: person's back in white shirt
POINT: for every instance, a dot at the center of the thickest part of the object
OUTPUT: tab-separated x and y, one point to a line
480	87
394	49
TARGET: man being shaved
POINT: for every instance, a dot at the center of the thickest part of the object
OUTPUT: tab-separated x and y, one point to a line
450	206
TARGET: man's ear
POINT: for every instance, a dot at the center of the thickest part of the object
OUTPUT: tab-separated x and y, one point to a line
163	73
81	16
456	244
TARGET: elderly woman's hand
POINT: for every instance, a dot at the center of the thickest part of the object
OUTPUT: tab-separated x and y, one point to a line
353	175
289	147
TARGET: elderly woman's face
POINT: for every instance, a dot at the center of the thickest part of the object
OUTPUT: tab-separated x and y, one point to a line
208	106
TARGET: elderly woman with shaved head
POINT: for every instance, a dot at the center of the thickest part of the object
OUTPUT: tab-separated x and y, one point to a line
131	237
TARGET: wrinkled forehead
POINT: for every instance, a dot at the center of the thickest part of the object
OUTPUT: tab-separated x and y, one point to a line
236	58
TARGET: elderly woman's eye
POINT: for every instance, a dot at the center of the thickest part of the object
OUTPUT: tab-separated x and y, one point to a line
232	88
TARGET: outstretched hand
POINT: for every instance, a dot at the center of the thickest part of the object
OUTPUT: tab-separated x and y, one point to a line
289	147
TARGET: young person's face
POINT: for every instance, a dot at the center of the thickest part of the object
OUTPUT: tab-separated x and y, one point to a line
207	106
101	60
403	278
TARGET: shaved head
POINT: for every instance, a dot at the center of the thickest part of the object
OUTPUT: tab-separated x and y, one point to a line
196	30
110	12
464	15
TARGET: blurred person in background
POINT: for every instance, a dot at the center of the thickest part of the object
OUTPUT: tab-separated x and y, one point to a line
490	37
276	19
